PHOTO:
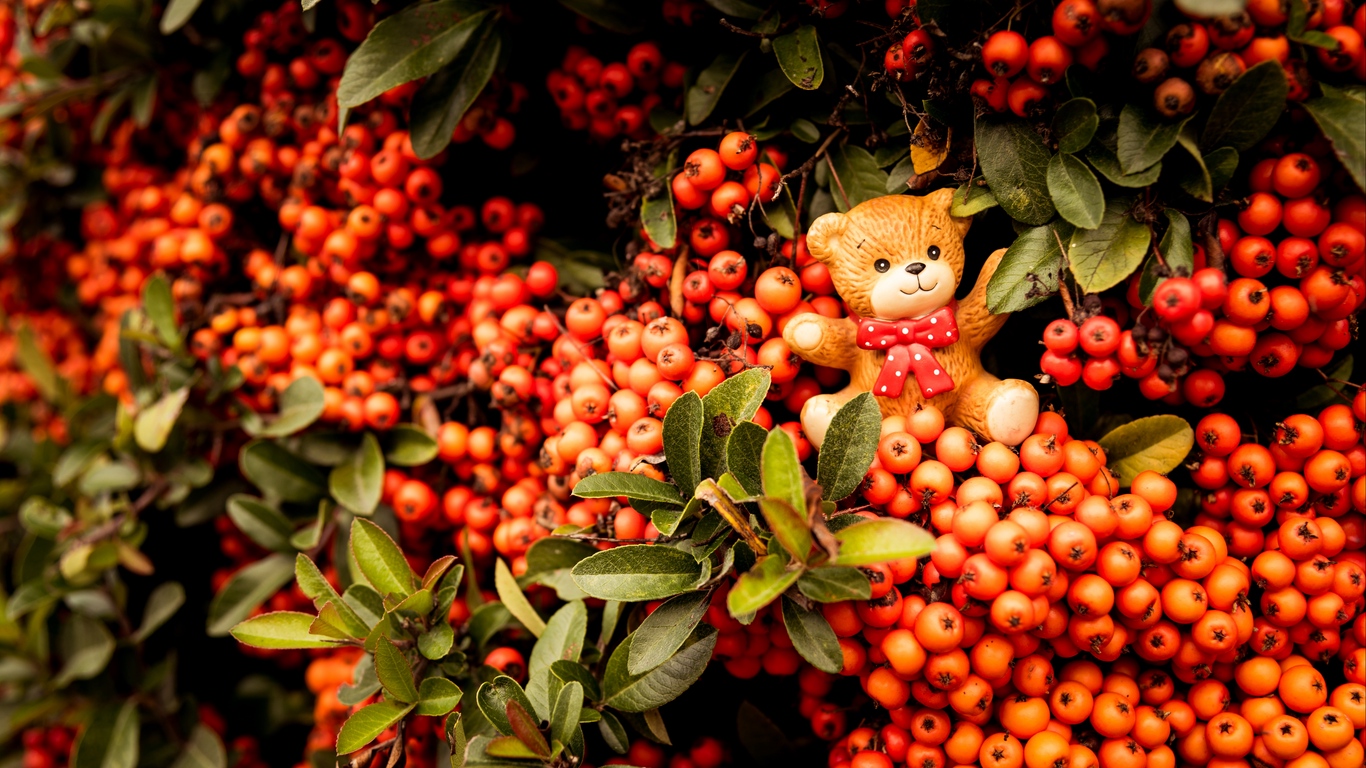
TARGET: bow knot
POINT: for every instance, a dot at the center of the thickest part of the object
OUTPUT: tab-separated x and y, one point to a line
908	344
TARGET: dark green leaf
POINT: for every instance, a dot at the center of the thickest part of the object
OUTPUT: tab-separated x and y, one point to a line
850	445
900	176
971	198
657	217
109	739
161	605
437	696
767	88
564	719
880	541
1103	159
833	584
1177	250
1075	191
75	459
488	620
744	447
260	522
86	648
493	698
1144	138
856	178
406	445
552	554
394	672
1157	443
34	361
367	724
637	572
572	671
1074	124
1190	171
782	474
203	750
282	629
1030	269
516	602
446	96
629	484
664	631
358	483
436	642
1103	257
1340	115
762	738
761	585
562	640
159	305
280	473
626	692
1250	107
1015	164
799	56
737	8
683	441
300	405
154	423
812	637
615	15
246	590
1222	163
702	97
410	44
455	739
380	560
732	401
1326	393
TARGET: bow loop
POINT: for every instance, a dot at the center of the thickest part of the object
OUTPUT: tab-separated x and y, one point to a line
908	344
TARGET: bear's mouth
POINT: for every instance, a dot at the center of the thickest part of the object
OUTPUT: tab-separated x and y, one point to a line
919	287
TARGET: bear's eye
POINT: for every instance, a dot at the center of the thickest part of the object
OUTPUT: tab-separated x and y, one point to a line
882	265
934	252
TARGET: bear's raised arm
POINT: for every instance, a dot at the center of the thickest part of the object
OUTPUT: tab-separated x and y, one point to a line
977	323
822	340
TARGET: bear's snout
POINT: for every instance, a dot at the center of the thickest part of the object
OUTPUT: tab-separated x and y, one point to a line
915	268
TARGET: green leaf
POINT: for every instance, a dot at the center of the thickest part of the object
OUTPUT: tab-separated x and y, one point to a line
1015	164
1340	115
812	637
1103	159
664	631
154	423
760	585
86	648
203	750
1075	191
1191	174
260	522
833	584
683	441
732	401
564	719
516	602
788	526
615	15
572	671
785	494
280	630
436	642
406	445
410	44
280	473
512	747
562	640
856	177
42	518
1157	443
34	361
637	572
394	672
367	724
1208	8
437	696
177	13
971	198
1030	269
626	692
553	554
657	217
768	88
1144	138
455	739
737	8
880	541
1074	125
380	560
1103	257
159	305
358	484
850	445
300	405
525	728
1325	394
702	97
1222	164
1248	109
799	56
109	739
446	96
611	484
614	733
744	447
246	590
161	605
75	459
493	698
1177	250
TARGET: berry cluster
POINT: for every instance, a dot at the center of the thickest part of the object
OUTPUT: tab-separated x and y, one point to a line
47	746
705	752
724	181
592	96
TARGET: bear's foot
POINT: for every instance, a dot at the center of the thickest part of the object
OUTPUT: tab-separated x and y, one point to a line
1011	410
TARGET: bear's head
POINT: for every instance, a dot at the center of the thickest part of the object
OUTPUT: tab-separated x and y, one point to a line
894	257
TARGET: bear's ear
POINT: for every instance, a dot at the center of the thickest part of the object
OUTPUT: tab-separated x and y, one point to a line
823	236
942	200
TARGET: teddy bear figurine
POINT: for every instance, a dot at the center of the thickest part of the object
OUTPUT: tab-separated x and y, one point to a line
897	261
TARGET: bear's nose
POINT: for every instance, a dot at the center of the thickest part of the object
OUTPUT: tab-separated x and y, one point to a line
915	268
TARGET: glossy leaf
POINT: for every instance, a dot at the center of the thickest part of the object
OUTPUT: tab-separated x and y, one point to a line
204	749
1075	191
246	590
783	476
610	484
683	441
161	605
408	45
702	97
516	602
1074	125
159	305
437	696
657	217
300	405
850	445
1015	164
1248	109
732	401
761	585
445	97
109	739
280	473
1340	113
564	718
880	541
1156	443
799	56
380	560
1030	269
812	637
86	647
153	424
394	673
637	572
367	724
177	13
358	483
280	630
562	640
493	698
1103	257
833	584
261	523
626	692
665	630
1103	159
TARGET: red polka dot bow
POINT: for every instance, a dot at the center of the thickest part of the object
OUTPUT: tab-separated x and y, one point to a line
908	344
